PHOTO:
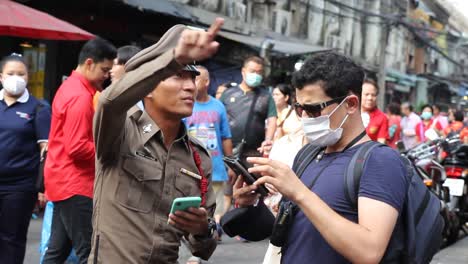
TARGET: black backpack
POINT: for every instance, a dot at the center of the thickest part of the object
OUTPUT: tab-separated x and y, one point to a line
423	223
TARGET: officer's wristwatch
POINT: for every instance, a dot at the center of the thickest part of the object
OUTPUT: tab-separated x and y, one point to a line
211	230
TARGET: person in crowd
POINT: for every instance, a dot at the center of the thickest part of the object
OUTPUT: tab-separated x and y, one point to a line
70	165
284	150
394	124
209	124
256	139
146	159
287	122
457	127
123	55
375	121
408	125
326	228
427	122
24	130
222	88
438	117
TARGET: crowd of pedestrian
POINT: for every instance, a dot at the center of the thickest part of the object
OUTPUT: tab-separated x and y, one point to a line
117	157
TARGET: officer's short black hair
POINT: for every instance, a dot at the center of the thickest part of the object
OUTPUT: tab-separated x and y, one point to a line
337	74
125	53
98	50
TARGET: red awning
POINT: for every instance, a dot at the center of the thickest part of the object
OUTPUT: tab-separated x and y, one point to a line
21	21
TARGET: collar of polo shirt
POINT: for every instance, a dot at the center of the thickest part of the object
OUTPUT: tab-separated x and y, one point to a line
22	99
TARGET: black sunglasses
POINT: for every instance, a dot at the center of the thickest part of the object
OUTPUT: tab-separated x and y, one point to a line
315	110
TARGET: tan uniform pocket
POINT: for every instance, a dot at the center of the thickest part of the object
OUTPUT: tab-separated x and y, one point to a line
139	183
187	185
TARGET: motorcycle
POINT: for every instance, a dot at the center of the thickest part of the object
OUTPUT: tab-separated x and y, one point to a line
456	168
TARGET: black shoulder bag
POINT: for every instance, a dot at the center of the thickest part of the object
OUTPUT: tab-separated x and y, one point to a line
238	150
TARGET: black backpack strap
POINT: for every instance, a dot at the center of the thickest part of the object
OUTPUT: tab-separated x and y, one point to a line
304	157
353	172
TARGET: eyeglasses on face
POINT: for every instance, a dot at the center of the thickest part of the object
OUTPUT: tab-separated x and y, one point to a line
315	110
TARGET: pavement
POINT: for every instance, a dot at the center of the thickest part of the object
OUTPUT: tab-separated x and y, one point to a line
231	251
455	254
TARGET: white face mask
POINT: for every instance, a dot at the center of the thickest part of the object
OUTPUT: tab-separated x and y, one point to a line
318	131
14	85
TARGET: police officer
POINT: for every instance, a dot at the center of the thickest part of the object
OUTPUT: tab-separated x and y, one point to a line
145	159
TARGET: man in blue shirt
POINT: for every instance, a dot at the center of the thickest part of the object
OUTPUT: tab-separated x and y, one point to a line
327	229
210	125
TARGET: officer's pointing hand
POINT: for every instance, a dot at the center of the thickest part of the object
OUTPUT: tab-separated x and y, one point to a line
196	45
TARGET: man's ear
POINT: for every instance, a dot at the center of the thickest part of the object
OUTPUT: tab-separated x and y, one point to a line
353	103
88	63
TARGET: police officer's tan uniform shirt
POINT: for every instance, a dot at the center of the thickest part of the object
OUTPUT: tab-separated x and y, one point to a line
137	178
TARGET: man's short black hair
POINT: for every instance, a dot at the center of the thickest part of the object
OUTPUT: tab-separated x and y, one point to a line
98	50
394	108
337	74
125	53
459	116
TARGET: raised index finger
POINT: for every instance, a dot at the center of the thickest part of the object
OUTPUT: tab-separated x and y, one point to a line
215	27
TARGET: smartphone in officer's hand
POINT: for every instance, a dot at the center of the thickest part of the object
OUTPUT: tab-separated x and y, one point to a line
240	169
184	203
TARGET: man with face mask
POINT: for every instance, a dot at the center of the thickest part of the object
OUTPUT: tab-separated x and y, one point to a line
238	101
69	168
327	228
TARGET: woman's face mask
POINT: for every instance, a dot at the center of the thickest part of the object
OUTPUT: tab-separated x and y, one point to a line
426	115
14	85
318	131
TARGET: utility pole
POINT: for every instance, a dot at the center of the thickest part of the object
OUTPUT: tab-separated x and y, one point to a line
382	69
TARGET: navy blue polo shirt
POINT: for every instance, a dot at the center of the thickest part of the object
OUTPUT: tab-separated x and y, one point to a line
22	126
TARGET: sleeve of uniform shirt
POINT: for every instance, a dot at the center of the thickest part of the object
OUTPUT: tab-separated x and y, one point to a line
383	130
271	107
115	101
225	129
383	178
77	129
42	124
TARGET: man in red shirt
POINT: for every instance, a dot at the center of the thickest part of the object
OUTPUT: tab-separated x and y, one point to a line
69	169
377	124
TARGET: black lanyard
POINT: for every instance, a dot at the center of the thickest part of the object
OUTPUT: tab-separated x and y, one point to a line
350	144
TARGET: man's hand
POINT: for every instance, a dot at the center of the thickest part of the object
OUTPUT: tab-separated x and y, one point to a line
197	45
193	221
232	176
244	194
41	200
280	176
